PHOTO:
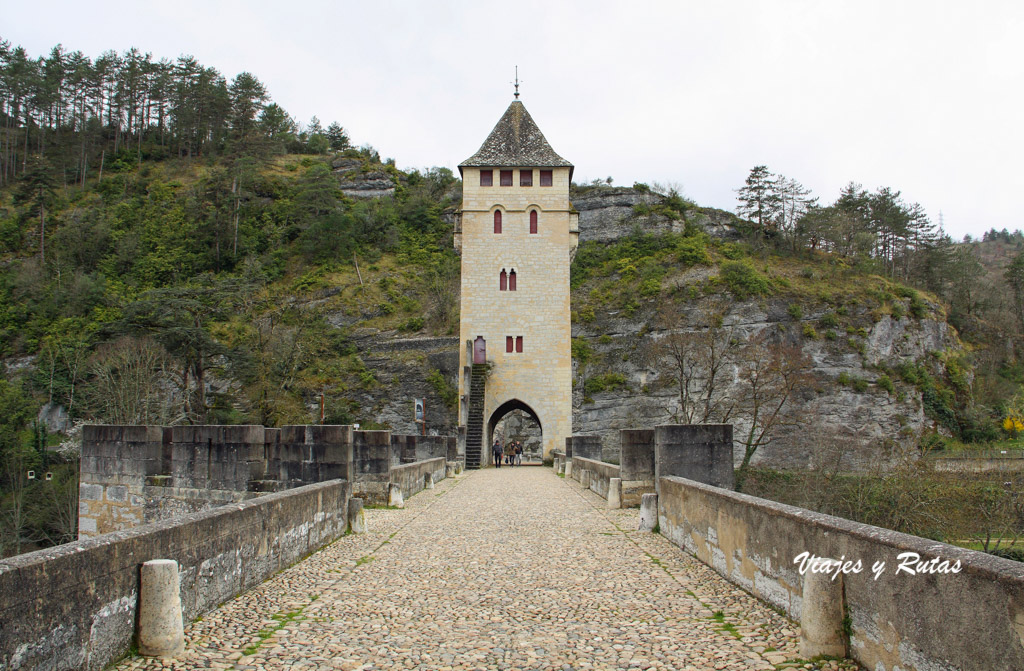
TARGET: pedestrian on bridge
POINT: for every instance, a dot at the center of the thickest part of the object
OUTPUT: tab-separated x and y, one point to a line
497	451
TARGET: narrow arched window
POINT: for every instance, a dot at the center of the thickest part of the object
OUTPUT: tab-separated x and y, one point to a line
512	281
533	222
503	281
497	221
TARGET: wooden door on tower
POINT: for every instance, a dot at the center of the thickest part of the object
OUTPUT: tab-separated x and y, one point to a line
479	350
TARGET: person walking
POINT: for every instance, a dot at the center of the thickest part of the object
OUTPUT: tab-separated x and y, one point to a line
496	451
519	453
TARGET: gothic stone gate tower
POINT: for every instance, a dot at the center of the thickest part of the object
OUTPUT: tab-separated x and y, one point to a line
516	233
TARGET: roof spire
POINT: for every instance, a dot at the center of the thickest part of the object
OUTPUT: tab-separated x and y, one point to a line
517	82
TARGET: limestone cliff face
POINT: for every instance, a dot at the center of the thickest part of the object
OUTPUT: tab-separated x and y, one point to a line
863	428
608	213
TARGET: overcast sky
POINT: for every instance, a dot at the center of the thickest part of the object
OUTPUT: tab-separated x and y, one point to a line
923	97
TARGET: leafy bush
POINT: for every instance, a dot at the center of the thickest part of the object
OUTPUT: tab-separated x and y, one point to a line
795	311
885	382
693	251
859	384
606	382
809	332
843	379
743	279
830	335
897	310
829	320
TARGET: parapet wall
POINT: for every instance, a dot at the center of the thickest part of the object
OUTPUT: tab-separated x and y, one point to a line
132	475
412	477
74	606
971	620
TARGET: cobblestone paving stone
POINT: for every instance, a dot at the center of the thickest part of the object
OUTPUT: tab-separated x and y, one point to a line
511	568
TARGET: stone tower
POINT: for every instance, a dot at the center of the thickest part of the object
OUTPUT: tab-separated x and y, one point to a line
516	234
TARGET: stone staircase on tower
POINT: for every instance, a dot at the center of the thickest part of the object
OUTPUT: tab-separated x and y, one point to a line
475	423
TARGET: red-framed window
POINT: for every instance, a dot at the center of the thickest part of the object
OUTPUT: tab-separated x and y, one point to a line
519	344
508	343
512	280
506	177
533	222
545	178
503	281
497	221
486	178
526	178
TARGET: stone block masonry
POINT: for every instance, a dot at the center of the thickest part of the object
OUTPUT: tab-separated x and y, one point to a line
74	606
132	475
971	620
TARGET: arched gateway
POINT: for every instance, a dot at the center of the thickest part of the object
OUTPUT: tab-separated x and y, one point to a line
516	233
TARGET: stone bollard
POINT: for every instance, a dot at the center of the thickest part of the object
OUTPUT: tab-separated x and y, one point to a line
428	481
821	616
585	479
614	493
648	512
395	497
356	516
161	633
458	468
560	467
568	467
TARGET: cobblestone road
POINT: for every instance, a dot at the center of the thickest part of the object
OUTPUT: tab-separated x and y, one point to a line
512	568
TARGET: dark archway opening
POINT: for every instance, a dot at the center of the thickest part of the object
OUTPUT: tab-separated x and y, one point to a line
515	420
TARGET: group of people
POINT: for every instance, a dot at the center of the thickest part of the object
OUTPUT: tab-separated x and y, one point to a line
512	453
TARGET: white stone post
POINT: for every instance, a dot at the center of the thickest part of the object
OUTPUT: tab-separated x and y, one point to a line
568	467
356	516
821	616
161	633
614	493
648	512
395	497
585	478
428	481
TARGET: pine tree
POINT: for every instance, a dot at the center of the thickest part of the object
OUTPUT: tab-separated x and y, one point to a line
759	200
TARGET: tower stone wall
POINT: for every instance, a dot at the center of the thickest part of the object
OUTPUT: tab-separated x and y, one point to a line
540	376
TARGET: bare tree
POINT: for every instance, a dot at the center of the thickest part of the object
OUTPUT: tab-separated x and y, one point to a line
698	359
131	383
771	373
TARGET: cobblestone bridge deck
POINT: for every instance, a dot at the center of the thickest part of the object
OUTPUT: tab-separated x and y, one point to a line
498	569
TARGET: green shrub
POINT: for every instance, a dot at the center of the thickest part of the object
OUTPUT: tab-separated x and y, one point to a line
795	311
606	382
830	335
843	379
897	310
650	288
693	251
604	339
830	320
885	382
743	279
809	332
444	388
918	309
859	384
413	324
731	250
581	351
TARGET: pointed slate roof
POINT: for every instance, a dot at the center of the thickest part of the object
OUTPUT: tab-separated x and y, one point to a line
516	141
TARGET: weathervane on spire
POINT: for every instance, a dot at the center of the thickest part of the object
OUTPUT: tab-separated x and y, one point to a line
517	82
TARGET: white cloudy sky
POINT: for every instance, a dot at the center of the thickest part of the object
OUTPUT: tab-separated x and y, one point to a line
924	97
